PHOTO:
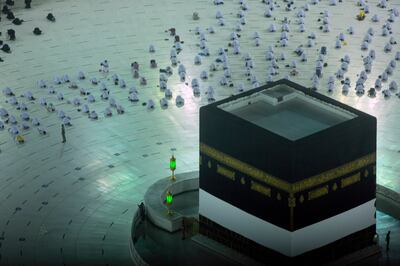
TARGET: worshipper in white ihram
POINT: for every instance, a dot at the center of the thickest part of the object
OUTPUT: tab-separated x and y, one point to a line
196	91
179	101
13	100
51	90
163	85
76	101
150	104
8	92
22	106
66	121
35	121
163	103
91	99
195	83
104	95
85	109
84	92
122	84
112	102
24	116
104	66
204	75
73	85
24	126
210	94
81	75
93	115
61	114
386	93
94	81
66	78
133	97
13	130
42	84
41	131
107	112
120	109
393	85
60	96
168	93
57	80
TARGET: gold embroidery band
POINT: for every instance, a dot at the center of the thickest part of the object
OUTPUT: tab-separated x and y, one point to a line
225	172
350	180
244	167
260	188
281	184
334	173
319	192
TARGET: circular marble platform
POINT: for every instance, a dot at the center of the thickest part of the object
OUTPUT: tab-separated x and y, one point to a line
159	234
154	200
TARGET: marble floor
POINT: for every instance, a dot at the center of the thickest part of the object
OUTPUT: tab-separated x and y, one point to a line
72	203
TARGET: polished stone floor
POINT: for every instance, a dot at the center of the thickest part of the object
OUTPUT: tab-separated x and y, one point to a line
72	203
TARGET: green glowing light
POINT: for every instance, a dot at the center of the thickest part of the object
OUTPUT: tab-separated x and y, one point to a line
168	198
172	163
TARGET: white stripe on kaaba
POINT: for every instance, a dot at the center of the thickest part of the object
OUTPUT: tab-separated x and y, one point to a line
279	239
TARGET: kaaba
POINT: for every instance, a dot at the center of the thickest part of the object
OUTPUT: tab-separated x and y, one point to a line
287	175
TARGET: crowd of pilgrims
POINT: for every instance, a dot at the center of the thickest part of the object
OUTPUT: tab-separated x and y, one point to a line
276	61
11	33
